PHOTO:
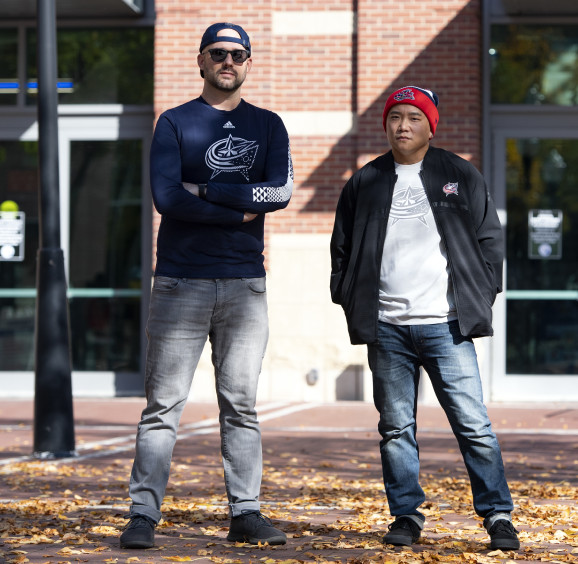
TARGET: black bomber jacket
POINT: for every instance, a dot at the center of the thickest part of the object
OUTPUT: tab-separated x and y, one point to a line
466	219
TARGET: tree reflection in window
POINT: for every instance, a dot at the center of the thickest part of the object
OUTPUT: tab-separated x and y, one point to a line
105	65
534	64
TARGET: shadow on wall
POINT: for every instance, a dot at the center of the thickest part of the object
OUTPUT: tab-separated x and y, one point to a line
349	384
441	66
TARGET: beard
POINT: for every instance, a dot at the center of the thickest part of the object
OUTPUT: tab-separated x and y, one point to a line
225	84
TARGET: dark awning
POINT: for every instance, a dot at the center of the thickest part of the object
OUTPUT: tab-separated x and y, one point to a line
70	9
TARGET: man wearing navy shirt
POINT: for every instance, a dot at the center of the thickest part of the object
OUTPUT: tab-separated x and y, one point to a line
218	164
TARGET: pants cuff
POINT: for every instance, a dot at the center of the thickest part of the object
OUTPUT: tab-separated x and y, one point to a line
489	521
236	509
145	510
415	518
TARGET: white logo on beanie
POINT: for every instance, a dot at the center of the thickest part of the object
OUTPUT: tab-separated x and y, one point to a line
406	94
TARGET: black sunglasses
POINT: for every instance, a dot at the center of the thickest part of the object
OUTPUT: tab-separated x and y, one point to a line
239	56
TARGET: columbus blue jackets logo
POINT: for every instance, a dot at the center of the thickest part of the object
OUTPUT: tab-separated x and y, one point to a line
231	155
410	203
406	94
450	188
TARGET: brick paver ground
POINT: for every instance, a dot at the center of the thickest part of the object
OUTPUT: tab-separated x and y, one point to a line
322	485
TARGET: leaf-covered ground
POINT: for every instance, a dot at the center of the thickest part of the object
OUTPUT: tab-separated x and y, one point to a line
324	491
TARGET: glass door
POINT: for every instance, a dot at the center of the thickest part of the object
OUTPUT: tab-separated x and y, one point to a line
106	225
105	254
106	230
19	186
105	83
538	312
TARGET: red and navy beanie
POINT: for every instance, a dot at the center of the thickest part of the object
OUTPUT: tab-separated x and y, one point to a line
425	100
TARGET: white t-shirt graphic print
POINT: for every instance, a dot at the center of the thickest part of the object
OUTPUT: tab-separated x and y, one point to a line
415	285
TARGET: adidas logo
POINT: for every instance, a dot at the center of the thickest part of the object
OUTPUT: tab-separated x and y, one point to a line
228	125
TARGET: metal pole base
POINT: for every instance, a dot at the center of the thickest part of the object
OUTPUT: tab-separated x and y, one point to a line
53	412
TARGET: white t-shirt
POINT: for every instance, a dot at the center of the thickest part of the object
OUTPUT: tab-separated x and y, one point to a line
415	285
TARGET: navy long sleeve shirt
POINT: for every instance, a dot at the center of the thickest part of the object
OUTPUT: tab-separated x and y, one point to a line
244	157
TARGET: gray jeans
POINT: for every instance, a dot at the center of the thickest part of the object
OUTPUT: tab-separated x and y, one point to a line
232	313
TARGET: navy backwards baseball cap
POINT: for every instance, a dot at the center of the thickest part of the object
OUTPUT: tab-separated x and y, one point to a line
210	36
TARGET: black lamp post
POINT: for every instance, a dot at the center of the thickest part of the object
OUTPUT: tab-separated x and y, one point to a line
53	414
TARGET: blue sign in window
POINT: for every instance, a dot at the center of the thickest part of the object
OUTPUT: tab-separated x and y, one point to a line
9	86
13	86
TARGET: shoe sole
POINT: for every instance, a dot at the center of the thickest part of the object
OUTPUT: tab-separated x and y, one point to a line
252	540
136	544
398	541
504	545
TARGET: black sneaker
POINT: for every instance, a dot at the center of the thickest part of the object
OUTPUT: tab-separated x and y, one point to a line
138	533
254	528
503	536
404	531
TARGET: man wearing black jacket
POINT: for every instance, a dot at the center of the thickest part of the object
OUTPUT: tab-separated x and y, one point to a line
417	255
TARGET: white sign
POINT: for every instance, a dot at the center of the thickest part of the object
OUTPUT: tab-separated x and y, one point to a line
545	234
12	236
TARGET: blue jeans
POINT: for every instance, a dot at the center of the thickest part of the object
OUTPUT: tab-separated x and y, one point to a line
451	363
232	313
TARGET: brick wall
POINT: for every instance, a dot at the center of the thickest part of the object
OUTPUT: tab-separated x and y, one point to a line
309	66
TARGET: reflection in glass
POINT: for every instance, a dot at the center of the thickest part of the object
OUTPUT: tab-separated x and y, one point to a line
542	333
17	333
8	66
100	66
542	337
19	183
534	64
105	243
541	174
105	333
105	214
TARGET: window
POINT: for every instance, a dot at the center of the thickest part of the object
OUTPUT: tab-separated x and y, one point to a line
8	66
542	261
99	66
533	64
105	261
19	183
